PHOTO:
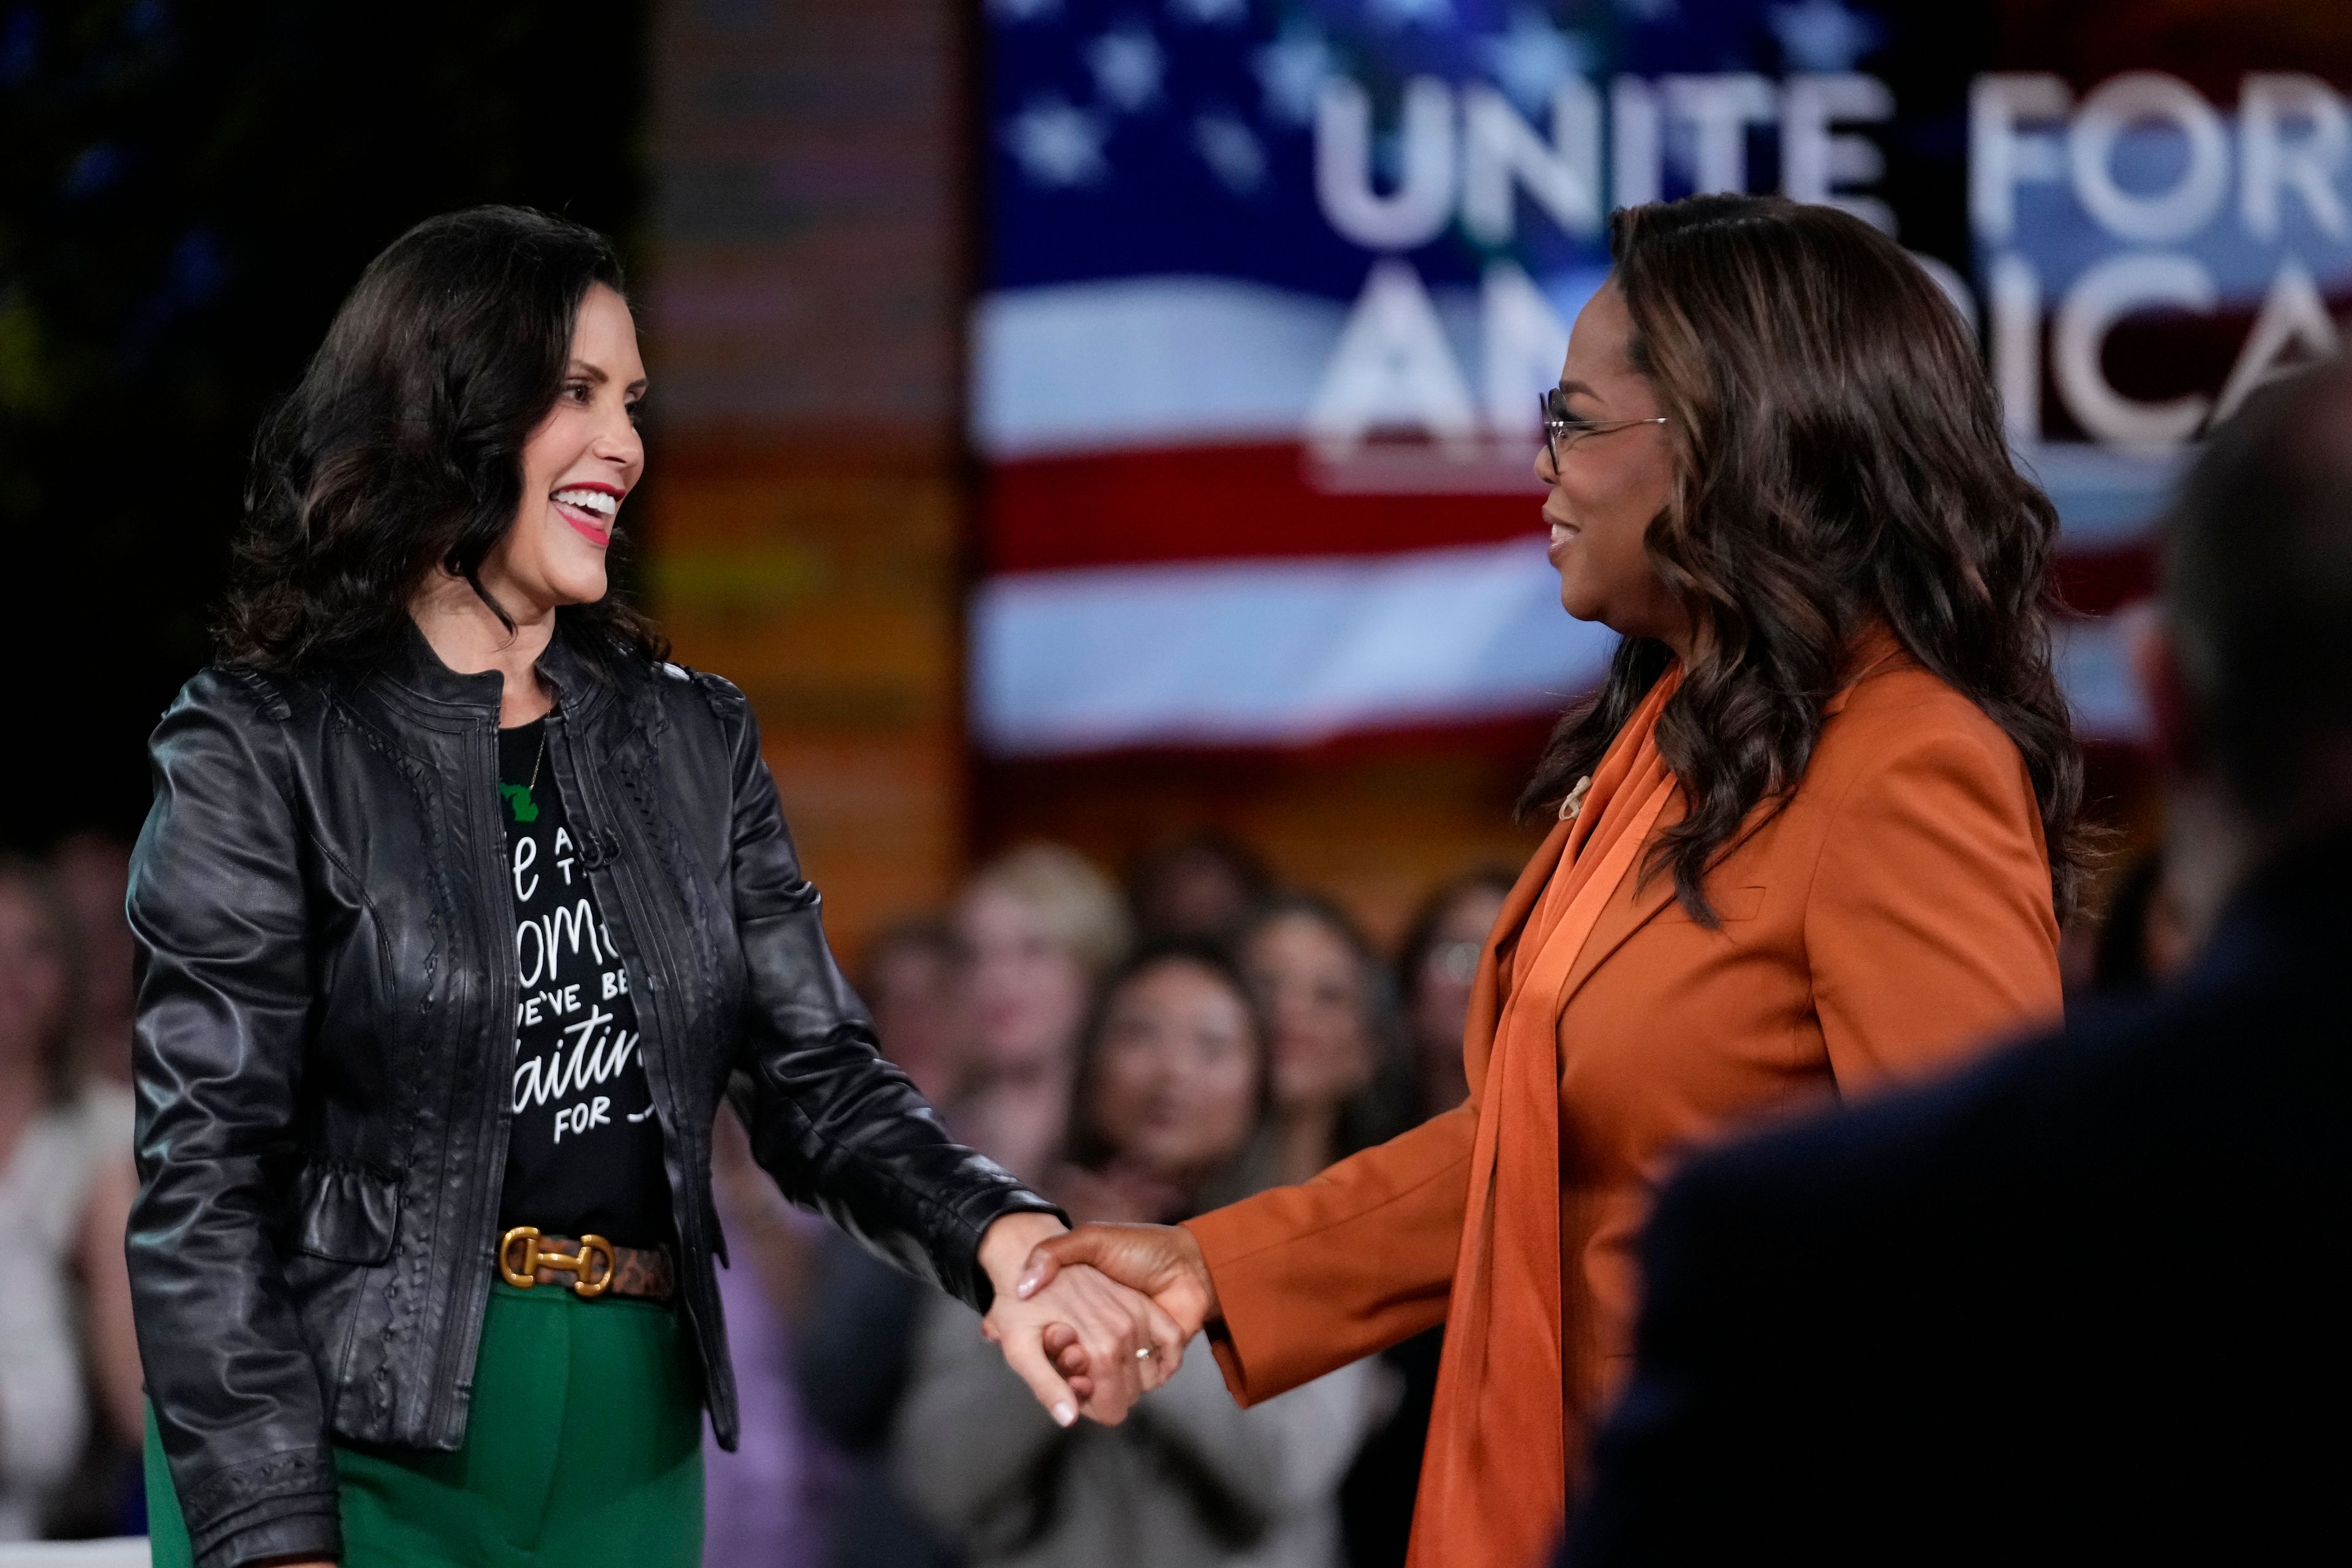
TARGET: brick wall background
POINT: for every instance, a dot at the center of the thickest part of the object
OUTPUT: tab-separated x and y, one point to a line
802	319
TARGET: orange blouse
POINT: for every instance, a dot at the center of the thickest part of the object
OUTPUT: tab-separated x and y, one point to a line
1893	917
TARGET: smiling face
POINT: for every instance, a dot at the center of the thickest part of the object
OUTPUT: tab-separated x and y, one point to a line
1312	987
1027	989
1176	1075
577	467
1441	991
32	977
1612	485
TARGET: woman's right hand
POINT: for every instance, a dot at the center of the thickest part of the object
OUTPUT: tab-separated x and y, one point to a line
1162	1261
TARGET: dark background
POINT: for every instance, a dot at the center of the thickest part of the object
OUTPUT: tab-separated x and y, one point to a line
186	191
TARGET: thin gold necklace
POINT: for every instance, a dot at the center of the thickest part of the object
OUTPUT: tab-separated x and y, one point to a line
518	797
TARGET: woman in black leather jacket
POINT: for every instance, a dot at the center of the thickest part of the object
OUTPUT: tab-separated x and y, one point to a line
459	908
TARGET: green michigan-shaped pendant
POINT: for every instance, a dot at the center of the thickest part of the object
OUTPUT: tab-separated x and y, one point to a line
518	801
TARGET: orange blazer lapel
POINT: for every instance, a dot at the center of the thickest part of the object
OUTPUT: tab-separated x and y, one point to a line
1625	914
1487	990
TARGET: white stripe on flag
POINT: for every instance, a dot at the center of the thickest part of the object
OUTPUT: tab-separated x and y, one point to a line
1287	652
1147	361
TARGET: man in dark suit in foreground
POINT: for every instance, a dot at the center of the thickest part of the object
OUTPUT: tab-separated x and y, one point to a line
2084	1303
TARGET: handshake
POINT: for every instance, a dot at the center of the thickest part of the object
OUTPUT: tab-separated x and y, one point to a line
1093	1319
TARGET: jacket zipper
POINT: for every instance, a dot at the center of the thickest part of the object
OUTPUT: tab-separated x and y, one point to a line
455	1373
635	902
628	881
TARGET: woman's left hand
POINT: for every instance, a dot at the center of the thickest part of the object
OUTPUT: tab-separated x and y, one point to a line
1112	1344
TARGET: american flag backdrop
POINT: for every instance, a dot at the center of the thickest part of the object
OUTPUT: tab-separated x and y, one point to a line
1269	289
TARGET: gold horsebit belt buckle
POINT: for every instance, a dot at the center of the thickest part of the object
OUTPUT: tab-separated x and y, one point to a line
521	1257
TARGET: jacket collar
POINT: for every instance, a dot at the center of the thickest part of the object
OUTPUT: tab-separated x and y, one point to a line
417	672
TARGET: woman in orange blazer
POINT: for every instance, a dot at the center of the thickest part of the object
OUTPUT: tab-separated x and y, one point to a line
1812	839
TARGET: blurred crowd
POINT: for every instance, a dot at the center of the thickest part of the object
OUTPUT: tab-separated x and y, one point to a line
1141	1052
70	1412
1138	1052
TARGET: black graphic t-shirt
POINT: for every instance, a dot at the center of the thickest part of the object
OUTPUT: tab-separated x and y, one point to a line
586	1153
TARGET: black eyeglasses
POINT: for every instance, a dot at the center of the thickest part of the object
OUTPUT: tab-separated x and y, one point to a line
1563	430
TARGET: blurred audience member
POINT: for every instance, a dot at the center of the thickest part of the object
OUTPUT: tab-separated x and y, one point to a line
1174	1080
65	1192
912	982
1039	926
821	1329
2143	940
1202	886
2080	1304
1339	1077
1434	969
1341	1082
1171	1084
770	1502
92	871
854	1342
1439	959
854	1356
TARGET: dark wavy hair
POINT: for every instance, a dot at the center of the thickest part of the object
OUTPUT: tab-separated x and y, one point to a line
1840	466
401	450
1089	1149
1385	1107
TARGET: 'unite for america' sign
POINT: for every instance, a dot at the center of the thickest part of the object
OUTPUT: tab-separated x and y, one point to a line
1269	291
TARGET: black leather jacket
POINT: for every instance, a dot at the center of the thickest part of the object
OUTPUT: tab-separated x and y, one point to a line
326	1028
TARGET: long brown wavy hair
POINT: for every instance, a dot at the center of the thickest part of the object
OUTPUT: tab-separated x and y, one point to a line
1839	465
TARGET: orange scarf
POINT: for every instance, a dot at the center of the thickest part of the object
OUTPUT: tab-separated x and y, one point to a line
1499	1427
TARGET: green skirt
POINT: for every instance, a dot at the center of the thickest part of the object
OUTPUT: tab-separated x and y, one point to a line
584	1446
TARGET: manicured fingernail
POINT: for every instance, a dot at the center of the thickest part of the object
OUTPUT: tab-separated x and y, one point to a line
1064	1413
1028	1288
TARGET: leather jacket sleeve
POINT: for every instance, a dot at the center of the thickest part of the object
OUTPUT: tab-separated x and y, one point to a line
216	905
839	1127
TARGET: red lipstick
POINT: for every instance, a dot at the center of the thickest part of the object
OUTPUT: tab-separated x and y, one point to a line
592	526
